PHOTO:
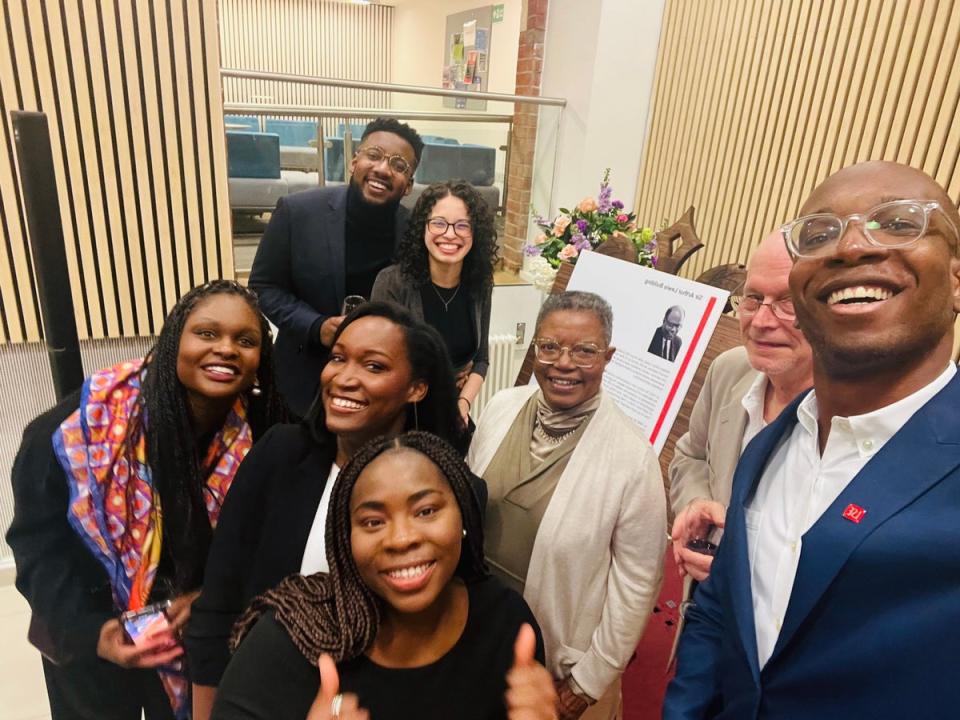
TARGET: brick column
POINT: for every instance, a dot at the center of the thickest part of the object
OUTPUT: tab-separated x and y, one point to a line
524	140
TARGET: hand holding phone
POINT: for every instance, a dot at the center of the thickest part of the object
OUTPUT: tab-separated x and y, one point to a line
145	624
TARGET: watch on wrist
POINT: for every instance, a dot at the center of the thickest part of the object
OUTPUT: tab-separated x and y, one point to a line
579	691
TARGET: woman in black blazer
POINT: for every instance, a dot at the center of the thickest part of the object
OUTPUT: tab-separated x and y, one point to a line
387	372
444	276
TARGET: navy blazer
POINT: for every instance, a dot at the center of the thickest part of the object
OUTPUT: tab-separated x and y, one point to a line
299	275
873	623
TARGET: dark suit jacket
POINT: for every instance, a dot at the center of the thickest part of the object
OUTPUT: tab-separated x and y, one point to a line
259	540
873	623
656	345
299	275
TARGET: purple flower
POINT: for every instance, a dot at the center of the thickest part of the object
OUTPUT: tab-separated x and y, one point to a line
617	204
531	250
603	200
583	225
580	241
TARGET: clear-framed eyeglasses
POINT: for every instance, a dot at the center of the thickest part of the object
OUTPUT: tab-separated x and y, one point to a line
749	305
585	355
438	226
894	224
376	154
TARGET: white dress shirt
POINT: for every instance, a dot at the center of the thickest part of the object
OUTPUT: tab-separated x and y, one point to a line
315	552
753	403
797	487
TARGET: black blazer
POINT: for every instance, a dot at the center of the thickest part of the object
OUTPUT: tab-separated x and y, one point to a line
260	537
299	275
67	588
259	540
656	345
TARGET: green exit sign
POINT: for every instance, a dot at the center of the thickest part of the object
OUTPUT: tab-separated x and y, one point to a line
498	13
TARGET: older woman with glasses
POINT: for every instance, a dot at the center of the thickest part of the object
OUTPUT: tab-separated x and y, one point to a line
444	276
576	517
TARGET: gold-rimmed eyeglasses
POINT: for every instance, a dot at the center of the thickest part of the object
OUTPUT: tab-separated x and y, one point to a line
893	224
375	154
548	351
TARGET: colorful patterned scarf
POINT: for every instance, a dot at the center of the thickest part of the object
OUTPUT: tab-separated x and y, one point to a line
114	506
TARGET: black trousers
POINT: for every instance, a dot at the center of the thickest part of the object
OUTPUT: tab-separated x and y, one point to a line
100	690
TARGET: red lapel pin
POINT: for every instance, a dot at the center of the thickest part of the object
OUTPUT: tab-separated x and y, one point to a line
854	513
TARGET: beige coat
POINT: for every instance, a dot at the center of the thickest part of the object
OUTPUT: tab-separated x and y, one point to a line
707	454
597	561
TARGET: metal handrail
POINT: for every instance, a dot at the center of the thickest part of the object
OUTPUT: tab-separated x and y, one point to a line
340	112
390	87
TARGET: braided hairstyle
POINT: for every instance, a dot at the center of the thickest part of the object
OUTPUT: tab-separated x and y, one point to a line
335	612
163	416
429	361
476	277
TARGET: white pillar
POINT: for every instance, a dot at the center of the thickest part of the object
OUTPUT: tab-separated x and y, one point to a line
600	55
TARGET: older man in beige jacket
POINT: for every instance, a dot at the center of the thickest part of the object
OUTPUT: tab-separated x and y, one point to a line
745	389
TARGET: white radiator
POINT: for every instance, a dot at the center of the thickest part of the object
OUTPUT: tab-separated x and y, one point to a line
502	372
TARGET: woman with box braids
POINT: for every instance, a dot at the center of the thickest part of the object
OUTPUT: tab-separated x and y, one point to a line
407	606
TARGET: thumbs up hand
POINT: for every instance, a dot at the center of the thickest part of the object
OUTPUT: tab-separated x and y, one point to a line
330	704
530	692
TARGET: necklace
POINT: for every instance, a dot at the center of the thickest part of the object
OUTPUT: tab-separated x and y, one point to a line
540	431
446	303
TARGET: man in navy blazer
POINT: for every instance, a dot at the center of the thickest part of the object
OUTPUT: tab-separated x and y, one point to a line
836	590
324	244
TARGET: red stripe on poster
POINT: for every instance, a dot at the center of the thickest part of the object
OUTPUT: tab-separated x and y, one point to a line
683	369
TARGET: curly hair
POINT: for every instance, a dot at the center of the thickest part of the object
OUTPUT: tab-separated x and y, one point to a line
335	612
163	416
401	130
427	353
477	274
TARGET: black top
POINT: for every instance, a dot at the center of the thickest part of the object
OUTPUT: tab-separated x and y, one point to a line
370	234
450	311
259	540
268	678
260	537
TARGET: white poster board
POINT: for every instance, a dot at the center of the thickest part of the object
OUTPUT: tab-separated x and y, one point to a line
648	387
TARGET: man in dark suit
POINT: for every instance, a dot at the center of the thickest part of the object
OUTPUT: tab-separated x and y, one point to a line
665	341
836	590
324	244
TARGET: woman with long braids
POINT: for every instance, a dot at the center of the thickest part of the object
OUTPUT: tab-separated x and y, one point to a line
117	491
444	276
414	624
386	373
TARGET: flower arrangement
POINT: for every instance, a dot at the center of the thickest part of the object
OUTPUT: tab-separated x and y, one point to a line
585	227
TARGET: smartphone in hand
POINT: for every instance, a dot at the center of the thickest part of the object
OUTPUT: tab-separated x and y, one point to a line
140	625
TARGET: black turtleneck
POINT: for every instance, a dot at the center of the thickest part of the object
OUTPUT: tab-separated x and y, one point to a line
370	237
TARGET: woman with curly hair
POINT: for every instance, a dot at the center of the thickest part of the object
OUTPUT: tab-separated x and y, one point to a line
444	276
408	614
117	492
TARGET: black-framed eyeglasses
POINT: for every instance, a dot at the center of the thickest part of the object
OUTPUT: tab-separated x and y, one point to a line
894	224
548	351
376	154
439	225
749	305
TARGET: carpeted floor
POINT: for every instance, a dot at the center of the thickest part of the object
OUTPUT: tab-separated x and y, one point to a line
645	680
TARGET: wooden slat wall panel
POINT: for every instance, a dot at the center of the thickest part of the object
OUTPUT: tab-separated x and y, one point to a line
757	101
131	89
306	37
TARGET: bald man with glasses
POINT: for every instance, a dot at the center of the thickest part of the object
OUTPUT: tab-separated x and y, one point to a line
745	388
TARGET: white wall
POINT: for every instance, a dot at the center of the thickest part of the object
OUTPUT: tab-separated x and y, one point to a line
601	56
418	44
